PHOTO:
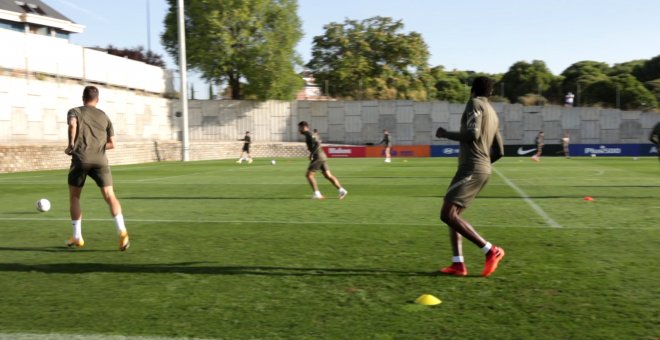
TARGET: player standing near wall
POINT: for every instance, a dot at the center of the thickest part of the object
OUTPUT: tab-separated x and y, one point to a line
246	149
90	134
387	142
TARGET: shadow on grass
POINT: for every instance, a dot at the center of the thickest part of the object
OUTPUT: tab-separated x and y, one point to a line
53	249
546	197
195	268
209	198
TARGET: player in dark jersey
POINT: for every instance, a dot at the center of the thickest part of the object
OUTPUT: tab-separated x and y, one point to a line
387	142
318	161
655	137
480	145
540	142
90	134
245	152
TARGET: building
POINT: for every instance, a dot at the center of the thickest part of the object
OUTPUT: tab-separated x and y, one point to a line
311	91
34	16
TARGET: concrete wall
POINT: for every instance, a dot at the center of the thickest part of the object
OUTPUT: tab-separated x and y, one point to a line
410	123
33	111
27	52
31	157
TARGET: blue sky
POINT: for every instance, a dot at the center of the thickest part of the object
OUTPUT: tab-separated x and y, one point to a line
475	35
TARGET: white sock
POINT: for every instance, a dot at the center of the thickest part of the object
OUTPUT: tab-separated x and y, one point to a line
77	229
342	189
457	259
486	248
317	193
119	222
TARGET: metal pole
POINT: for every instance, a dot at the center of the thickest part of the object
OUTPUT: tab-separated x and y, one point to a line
618	97
148	27
184	82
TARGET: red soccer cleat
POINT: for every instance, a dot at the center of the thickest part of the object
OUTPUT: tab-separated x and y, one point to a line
492	260
456	269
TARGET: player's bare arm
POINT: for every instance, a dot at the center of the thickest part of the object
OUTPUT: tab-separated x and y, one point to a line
72	133
110	143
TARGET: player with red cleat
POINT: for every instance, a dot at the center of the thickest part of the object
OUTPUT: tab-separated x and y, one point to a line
480	145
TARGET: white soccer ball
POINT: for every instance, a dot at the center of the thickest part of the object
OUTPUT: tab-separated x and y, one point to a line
593	155
43	205
273	162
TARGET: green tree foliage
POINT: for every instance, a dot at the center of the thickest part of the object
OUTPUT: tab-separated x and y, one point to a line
372	59
649	71
136	53
527	78
248	44
632	93
584	73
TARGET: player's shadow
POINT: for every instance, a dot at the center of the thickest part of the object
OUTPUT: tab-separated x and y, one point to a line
209	198
195	268
53	249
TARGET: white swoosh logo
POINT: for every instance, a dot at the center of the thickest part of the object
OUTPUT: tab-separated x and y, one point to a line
524	152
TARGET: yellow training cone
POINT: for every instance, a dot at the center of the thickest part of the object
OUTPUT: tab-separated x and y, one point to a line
428	300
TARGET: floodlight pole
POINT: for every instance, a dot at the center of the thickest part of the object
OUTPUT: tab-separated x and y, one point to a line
184	83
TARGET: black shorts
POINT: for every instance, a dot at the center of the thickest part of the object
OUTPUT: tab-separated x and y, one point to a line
246	148
99	173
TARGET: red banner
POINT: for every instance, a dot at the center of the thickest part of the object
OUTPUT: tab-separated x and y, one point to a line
400	151
345	151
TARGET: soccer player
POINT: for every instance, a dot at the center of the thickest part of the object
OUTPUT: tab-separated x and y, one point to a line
246	149
388	145
565	142
318	161
655	137
480	145
90	135
539	140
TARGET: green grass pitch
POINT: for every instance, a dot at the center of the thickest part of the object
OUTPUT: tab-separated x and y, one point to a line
221	250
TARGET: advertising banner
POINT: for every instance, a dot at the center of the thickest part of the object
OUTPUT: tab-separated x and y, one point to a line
344	151
400	151
444	150
528	150
613	150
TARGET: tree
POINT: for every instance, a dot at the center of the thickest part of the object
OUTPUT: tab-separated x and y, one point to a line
524	78
649	71
248	44
372	59
583	73
136	53
631	92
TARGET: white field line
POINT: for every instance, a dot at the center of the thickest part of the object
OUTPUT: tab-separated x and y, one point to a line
548	220
32	219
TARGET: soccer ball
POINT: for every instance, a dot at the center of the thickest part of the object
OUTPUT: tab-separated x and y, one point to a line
43	205
273	162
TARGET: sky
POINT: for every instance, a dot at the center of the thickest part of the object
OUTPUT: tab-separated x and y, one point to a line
487	36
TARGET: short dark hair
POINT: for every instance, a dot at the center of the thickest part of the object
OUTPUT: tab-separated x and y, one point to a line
315	130
482	86
90	93
303	123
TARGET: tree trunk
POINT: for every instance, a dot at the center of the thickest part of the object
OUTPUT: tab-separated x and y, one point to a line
235	85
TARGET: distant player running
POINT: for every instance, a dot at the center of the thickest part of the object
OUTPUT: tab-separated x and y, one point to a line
318	161
90	134
655	137
387	142
245	152
539	140
480	145
565	143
